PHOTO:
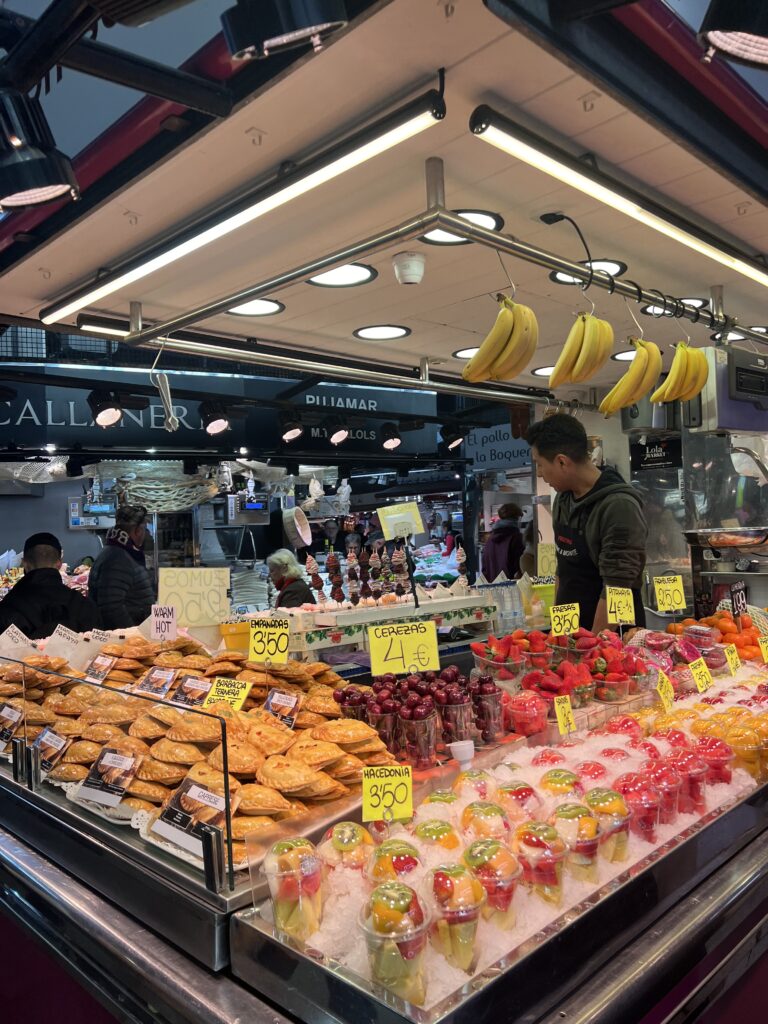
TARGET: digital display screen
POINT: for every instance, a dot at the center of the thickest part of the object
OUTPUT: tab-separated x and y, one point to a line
106	508
256	504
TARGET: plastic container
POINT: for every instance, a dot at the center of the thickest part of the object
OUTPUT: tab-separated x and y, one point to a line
484	820
644	802
507	671
498	871
393	861
542	854
746	746
625	725
357	711
396	926
580	830
693	771
295	877
519	799
528	713
612	692
418	740
347	844
701	636
458	722
438	833
386	727
560	783
591	771
669	783
539	659
455	898
476	784
583	694
489	716
718	757
613	815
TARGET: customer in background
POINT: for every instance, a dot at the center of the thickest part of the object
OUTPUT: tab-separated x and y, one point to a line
119	581
528	557
287	577
353	542
502	550
41	600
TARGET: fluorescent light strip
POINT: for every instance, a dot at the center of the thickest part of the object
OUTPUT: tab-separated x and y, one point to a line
538	158
327	172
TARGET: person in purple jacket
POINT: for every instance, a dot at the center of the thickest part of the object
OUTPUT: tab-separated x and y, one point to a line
505	545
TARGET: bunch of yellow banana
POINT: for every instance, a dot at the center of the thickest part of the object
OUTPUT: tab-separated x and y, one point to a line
509	345
587	347
687	376
641	376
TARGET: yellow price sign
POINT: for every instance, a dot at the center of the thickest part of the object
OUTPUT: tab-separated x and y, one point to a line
701	674
565	721
564	619
387	793
670	596
546	560
621	606
734	661
400	520
763	641
231	691
269	639
403	647
665	691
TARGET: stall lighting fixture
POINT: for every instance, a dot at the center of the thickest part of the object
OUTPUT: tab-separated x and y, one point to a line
730	336
613	267
652	310
737	31
51	448
382	332
452	437
32	170
112	327
214	417
625	356
466	353
106	408
389	131
390	437
256	29
336	429
348	276
482	218
760	330
258	307
542	371
291	427
524	145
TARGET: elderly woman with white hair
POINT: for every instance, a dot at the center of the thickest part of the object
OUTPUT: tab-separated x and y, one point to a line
287	574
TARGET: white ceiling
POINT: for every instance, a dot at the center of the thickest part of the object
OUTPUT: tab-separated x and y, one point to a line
393	54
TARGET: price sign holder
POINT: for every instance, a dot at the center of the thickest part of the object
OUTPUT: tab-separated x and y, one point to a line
546	560
564	619
701	674
269	640
387	793
232	691
739	605
566	723
734	661
670	596
403	647
665	691
763	642
621	606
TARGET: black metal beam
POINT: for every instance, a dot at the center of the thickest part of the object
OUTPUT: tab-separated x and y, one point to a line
577	10
60	25
113	65
298	388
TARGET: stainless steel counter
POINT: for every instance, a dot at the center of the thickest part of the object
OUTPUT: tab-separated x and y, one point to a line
137	975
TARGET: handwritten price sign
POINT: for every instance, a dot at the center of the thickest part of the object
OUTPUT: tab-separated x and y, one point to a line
732	656
665	691
403	647
670	596
546	560
621	606
269	639
564	619
387	793
763	641
563	709
701	674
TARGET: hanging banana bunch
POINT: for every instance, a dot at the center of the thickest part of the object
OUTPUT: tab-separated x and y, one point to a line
686	378
509	345
642	375
586	349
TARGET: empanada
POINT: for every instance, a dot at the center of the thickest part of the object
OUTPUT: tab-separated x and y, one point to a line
242	757
176	753
85	692
168	774
287	776
260	717
196	729
168	659
315	668
136	803
345	731
151	791
211	777
295	810
68	773
35	714
241	827
10	689
69	728
374	746
268	740
113	650
31	732
258	799
308	719
196	661
147	728
315	753
165	714
378	759
64	705
348	769
82	752
116	676
221	668
130	745
102	733
236	656
338	791
108	714
327	707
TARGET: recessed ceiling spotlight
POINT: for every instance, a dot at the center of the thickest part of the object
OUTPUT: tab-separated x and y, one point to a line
760	330
625	356
731	336
452	436
382	332
542	371
465	353
291	427
348	276
258	307
336	429
696	303
482	218
613	267
390	437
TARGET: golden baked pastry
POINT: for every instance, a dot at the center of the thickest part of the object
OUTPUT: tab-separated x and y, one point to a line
378	759
102	733
50	680
288	776
64	705
35	714
147	728
85	692
209	776
315	753
196	729
269	740
197	661
136	803
321	690
150	791
113	650
31	732
34	694
261	679
10	689
174	645
348	769
82	752
165	714
308	719
373	746
169	659
338	791
329	679
130	745
176	753
236	656
129	665
151	770
69	728
345	732
261	717
115	675
296	810
241	827
16	674
324	706
109	714
316	668
258	799
243	758
221	668
322	788
68	773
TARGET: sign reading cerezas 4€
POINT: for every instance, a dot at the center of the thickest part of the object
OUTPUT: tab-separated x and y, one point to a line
403	647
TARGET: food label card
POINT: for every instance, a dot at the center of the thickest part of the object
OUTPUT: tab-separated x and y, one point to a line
670	596
701	674
665	691
566	723
284	706
156	682
51	747
620	605
10	719
15	644
733	659
109	776
269	640
387	792
564	619
163	622
192	810
99	668
191	691
233	691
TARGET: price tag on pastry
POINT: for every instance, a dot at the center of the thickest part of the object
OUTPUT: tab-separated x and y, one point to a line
665	691
156	682
670	596
387	793
269	639
191	811
621	606
109	777
233	691
403	647
564	619
565	721
10	720
546	560
163	622
51	747
701	674
284	706
191	691
97	670
763	642
733	659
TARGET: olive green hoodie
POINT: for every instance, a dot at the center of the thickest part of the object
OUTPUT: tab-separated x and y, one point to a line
611	517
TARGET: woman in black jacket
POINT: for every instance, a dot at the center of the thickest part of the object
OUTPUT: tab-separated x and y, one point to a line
287	576
119	581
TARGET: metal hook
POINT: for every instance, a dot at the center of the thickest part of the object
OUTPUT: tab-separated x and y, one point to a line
637	288
687	335
629	309
511	283
588	298
662	305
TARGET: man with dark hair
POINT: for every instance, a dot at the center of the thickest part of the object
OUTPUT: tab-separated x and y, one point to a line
598	522
119	582
41	600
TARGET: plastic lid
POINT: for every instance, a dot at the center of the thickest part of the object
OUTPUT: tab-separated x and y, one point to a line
452	888
560	780
475	781
394	859
538	837
663	776
492	858
606	801
591	770
687	763
289	855
393	909
438	833
485	819
638	790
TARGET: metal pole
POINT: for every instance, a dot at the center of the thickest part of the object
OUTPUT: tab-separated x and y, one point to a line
60	25
435	183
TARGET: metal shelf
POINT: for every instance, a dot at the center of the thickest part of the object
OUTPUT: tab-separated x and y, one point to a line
734	572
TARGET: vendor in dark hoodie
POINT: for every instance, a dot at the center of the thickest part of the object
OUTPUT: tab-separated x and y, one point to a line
502	550
599	526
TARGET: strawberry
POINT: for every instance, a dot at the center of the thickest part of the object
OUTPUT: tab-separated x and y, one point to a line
616	677
478	647
536	636
586	643
550	681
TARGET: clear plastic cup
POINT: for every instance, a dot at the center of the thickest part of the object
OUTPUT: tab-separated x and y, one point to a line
484	820
455	898
746	746
644	801
669	783
613	815
475	783
561	783
438	833
718	757
528	713
418	740
489	716
580	830
395	925
392	861
542	854
693	771
498	870
386	727
458	722
519	799
295	876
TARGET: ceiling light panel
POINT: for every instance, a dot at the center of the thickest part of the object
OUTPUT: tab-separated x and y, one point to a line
348	276
258	307
382	332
